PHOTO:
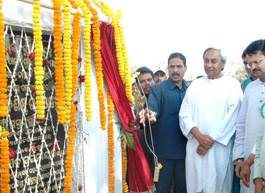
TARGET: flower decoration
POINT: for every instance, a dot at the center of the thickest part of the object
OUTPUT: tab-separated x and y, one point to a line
124	168
39	73
43	119
79	59
45	63
81	78
75	48
4	134
80	187
3	75
12	153
67	60
4	160
34	149
87	31
59	63
31	56
70	151
127	77
32	89
9	52
98	65
55	146
73	4
111	143
121	52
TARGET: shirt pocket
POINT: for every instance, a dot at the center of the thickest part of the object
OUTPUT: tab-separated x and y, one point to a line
173	107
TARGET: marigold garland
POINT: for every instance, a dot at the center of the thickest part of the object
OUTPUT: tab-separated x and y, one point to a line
124	168
111	143
4	161
87	31
73	4
98	65
121	53
39	73
72	128
75	49
3	76
59	63
67	60
70	152
127	73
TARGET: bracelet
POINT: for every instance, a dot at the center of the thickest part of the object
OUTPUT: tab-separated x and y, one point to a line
248	162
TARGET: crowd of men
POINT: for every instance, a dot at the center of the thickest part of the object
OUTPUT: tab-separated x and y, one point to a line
208	136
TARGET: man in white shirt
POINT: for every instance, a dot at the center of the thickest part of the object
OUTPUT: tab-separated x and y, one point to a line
250	116
208	119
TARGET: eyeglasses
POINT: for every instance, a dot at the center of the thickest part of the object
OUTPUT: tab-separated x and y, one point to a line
256	62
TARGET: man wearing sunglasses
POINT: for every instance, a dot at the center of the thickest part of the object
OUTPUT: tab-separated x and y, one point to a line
250	117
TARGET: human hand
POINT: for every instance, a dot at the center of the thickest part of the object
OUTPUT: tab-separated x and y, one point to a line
239	165
263	187
141	117
146	113
201	150
151	115
244	174
206	141
134	125
259	185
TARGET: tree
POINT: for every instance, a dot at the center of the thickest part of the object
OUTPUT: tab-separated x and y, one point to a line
236	70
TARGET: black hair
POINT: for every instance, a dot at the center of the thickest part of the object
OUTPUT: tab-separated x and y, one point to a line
177	55
144	70
244	54
255	46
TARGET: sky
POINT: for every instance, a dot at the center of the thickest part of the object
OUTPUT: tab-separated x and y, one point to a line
155	28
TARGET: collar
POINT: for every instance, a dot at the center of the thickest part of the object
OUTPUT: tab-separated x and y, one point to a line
172	85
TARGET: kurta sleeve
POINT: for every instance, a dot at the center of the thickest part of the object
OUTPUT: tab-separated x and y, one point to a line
254	150
238	150
260	139
185	114
227	126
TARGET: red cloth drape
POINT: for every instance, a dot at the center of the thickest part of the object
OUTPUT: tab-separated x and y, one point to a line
140	178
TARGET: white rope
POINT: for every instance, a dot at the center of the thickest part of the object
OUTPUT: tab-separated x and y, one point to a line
34	133
151	149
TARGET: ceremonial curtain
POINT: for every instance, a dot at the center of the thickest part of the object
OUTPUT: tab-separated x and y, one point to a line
140	178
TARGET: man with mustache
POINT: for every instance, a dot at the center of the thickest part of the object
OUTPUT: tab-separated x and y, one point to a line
164	102
159	75
145	80
207	118
250	116
254	75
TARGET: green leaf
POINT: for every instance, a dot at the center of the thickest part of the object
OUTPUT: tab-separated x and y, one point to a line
139	101
127	138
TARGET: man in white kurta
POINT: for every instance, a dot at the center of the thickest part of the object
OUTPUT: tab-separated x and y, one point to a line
248	125
210	108
250	117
